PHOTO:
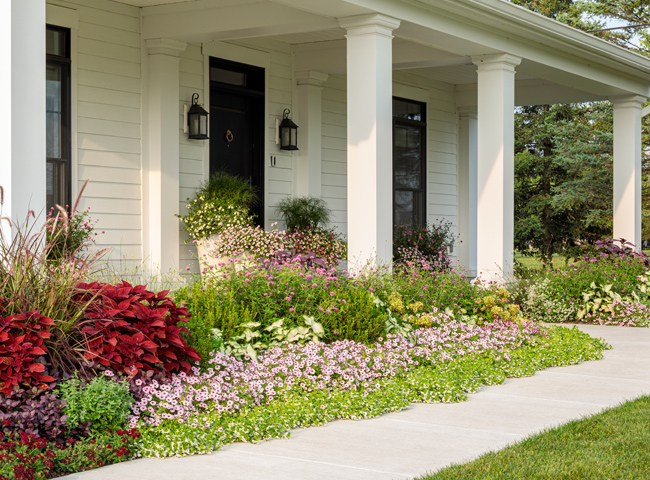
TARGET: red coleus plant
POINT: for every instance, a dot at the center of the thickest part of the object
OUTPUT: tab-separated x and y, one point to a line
22	360
134	330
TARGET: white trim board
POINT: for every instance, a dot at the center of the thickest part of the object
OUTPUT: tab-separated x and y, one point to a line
62	17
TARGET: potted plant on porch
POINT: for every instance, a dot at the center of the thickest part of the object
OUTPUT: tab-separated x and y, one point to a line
223	201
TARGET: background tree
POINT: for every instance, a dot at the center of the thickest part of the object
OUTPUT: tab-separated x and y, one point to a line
563	164
563	177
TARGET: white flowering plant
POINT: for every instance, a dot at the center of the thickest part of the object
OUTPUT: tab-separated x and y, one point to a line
206	218
223	202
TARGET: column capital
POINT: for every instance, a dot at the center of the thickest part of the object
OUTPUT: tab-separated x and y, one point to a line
373	23
628	101
165	46
471	112
313	78
496	61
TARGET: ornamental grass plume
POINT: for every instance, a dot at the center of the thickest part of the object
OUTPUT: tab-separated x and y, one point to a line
32	280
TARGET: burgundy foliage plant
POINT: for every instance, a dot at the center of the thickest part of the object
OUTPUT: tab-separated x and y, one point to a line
134	330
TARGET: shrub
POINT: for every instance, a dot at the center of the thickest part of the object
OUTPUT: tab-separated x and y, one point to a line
209	311
67	233
22	353
352	315
36	412
544	304
103	402
132	330
557	294
304	213
26	457
323	244
425	246
223	201
286	291
609	250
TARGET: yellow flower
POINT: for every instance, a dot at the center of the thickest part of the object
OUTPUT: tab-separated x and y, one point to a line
425	321
416	307
395	302
497	311
488	302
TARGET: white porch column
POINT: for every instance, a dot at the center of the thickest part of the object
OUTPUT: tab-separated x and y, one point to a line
22	133
308	158
370	139
627	168
161	166
467	186
495	165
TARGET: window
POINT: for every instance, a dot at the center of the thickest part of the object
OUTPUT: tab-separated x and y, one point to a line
409	162
58	116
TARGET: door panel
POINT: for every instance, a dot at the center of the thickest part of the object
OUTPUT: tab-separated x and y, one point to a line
236	132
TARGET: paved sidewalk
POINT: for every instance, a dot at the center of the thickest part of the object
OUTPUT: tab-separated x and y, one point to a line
424	437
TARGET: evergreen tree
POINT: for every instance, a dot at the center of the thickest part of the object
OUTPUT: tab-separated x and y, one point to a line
563	177
563	163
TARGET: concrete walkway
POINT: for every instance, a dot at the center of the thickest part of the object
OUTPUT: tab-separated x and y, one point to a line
424	437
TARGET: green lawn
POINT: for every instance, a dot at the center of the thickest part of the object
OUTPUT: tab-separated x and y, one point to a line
614	444
534	262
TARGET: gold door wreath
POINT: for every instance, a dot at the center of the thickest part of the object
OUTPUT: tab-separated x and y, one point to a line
229	136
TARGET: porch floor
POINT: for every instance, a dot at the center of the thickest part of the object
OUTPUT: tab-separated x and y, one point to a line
424	437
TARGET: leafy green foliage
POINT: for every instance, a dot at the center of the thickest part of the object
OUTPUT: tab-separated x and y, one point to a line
424	246
339	304
251	340
211	310
26	457
304	213
556	295
563	177
104	402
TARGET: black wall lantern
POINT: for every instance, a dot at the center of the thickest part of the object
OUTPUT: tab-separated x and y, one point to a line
197	120
288	132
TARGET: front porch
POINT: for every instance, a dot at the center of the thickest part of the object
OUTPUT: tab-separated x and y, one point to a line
337	66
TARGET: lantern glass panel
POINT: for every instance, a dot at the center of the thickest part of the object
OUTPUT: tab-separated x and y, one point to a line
194	124
286	137
294	137
203	130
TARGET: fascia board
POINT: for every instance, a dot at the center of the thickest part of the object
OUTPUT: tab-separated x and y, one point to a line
499	18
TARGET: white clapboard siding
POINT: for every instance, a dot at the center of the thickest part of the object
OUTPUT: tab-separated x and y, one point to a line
108	146
441	152
193	153
334	150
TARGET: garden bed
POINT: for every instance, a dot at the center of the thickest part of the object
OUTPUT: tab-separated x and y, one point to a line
93	373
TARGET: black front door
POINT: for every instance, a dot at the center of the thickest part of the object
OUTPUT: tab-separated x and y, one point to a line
237	124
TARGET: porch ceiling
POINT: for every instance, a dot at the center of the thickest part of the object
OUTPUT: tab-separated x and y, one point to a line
437	38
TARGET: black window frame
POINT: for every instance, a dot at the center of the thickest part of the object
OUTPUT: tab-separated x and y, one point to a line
66	113
422	124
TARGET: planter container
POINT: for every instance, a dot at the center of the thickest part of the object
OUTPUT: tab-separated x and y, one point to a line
208	262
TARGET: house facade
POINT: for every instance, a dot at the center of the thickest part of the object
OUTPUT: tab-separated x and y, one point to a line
405	110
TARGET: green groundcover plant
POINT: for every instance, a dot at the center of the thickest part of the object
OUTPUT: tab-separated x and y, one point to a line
296	386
